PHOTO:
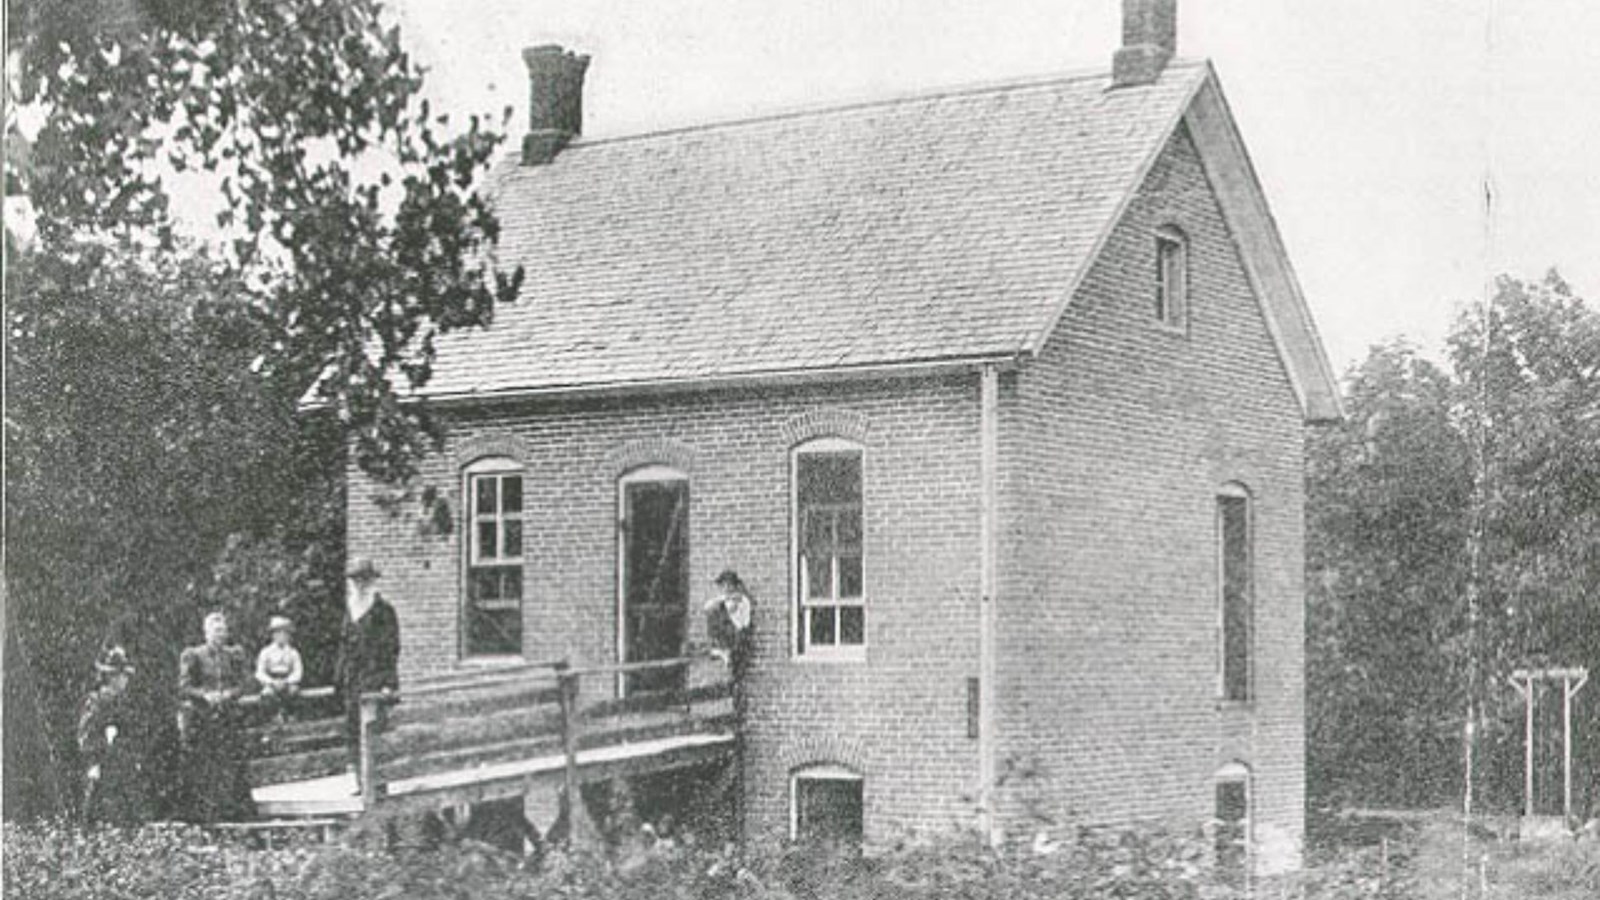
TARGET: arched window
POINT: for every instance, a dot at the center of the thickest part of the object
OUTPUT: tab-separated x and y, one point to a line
1231	837
493	545
830	559
1235	593
1172	277
826	806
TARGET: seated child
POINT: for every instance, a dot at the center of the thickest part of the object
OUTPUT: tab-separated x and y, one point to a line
278	667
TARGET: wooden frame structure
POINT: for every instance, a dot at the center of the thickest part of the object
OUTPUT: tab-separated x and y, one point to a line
469	737
1572	680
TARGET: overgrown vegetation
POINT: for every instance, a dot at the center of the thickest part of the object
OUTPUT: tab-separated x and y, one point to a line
1415	862
1495	454
156	465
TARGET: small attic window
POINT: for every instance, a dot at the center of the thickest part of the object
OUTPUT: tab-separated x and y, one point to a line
1172	277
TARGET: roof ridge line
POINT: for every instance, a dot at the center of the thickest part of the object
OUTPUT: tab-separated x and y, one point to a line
910	96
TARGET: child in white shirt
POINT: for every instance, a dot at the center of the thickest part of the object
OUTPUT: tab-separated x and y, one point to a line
278	667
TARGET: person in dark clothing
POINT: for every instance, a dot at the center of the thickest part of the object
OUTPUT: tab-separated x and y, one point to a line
369	649
211	679
729	616
110	743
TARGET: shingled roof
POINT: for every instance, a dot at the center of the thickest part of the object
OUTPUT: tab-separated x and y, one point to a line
938	228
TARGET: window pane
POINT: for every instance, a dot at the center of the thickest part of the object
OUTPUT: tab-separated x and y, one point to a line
817	537
513	545
828	810
1231	841
849	577
819	578
511	493
487	543
852	625
828	477
1233	516
822	630
494	631
849	528
485	496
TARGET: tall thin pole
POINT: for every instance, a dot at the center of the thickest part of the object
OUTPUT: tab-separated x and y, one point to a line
1566	748
1480	475
1527	749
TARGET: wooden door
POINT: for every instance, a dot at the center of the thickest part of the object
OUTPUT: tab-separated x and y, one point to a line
654	577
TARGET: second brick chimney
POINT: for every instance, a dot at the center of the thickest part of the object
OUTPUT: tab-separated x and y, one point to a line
1149	40
555	101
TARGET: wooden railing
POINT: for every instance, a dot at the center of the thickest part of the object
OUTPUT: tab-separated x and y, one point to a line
450	734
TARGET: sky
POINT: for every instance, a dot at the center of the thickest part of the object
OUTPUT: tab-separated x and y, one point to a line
1373	124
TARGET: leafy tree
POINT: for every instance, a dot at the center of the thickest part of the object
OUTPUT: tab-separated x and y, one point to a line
1388	505
1501	450
156	461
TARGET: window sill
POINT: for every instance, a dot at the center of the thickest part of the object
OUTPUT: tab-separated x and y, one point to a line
1236	706
490	661
856	654
1176	329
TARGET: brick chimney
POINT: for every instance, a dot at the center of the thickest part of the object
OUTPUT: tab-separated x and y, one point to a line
1149	39
555	101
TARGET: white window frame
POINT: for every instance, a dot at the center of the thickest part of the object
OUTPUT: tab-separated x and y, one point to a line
822	772
496	467
1238	773
1235	490
1172	301
801	646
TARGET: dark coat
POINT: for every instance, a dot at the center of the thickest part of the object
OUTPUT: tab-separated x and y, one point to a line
215	763
203	669
113	769
369	652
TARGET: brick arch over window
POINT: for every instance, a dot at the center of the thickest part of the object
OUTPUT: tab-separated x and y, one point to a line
821	750
826	423
495	443
653	451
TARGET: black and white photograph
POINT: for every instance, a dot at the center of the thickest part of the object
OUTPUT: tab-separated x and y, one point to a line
801	449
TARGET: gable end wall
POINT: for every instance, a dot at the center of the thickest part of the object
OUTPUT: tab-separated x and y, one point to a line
1114	442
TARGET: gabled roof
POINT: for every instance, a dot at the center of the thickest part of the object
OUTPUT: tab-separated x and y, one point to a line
912	232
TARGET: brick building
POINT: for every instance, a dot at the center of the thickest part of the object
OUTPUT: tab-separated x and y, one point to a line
995	398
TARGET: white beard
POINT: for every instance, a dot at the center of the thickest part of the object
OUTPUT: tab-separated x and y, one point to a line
358	601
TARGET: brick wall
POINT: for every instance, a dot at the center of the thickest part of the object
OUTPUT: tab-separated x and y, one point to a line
899	717
1114	443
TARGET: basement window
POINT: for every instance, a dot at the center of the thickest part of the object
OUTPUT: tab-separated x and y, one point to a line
1231	827
825	807
492	623
1172	277
1235	576
830	563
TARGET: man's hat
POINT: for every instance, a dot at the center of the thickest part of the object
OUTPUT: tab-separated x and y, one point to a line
728	578
362	569
280	623
113	660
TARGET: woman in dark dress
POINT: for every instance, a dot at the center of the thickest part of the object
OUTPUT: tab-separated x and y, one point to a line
111	746
211	679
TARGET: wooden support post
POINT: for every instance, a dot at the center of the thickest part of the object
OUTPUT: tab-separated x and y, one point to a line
1527	743
368	772
579	829
1569	690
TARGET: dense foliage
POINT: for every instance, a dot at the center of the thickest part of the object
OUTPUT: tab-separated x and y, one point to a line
1495	458
1420	861
156	464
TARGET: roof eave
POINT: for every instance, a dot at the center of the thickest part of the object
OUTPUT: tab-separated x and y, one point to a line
920	368
1244	206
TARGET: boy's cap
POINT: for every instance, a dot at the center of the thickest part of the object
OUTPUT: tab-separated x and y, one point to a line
280	623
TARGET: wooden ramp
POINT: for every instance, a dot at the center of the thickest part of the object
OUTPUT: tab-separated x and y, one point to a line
473	737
